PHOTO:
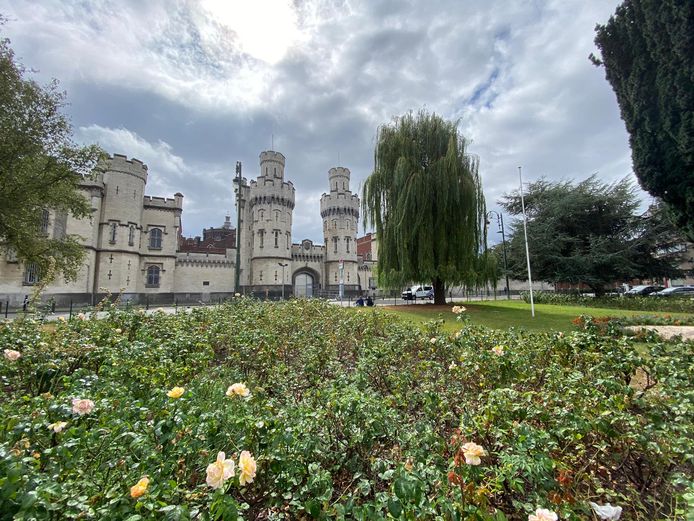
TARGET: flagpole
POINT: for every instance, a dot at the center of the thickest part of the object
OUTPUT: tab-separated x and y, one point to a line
527	251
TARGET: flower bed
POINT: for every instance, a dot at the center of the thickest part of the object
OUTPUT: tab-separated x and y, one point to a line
307	410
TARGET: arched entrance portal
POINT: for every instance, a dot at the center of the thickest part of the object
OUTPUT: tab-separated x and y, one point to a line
303	285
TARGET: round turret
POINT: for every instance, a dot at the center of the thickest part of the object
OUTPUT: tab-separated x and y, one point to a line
272	164
124	181
339	179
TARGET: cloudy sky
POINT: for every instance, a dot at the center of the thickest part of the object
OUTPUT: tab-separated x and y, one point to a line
191	87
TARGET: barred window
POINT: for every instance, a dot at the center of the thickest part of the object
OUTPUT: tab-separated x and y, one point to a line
155	238
45	220
31	273
153	273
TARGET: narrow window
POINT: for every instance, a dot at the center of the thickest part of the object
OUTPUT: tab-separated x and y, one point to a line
153	276
347	239
114	228
261	233
155	238
31	273
44	221
335	239
131	235
275	275
261	275
289	240
277	239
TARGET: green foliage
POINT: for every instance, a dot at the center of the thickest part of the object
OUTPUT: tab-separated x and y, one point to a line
352	415
637	303
586	233
648	53
425	201
39	170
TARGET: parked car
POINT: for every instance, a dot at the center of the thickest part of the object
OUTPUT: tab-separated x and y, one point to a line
415	292
642	290
679	291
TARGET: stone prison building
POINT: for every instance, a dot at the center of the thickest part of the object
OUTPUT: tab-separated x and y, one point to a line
134	245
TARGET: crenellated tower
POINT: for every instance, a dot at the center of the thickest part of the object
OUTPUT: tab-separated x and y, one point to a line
268	215
340	212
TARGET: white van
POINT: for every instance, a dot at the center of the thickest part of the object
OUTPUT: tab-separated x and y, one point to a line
421	292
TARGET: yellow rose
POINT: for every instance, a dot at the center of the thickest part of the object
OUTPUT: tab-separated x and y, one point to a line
176	392
219	471
57	426
238	389
139	488
247	466
473	453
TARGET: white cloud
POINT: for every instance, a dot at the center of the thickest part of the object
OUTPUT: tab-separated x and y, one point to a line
321	75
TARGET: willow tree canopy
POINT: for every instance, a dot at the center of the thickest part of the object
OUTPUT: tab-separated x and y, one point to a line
424	199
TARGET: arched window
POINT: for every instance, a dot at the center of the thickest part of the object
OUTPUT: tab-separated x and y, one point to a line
153	276
155	238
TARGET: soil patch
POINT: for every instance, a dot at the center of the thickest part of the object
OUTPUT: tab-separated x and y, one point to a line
668	332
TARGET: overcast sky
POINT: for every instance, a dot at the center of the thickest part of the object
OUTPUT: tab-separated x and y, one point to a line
190	87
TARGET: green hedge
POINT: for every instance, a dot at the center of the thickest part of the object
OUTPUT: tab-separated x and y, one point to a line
675	305
352	415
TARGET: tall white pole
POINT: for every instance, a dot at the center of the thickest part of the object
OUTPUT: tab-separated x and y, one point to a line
527	252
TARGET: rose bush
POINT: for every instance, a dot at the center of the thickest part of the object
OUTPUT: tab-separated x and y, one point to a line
342	414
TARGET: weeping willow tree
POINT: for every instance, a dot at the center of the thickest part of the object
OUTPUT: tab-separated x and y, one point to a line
424	199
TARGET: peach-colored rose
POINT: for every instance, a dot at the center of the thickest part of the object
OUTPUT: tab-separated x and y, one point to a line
139	488
82	406
498	350
238	389
247	467
542	514
12	355
473	453
175	392
219	471
458	309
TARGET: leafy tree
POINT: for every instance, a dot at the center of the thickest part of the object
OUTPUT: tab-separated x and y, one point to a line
40	169
425	201
647	49
586	233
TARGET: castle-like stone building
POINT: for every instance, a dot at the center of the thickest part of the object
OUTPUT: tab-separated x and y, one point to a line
134	245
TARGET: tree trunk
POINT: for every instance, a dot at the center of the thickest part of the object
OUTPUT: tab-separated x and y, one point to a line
439	292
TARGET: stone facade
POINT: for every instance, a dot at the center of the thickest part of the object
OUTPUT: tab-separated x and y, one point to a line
134	246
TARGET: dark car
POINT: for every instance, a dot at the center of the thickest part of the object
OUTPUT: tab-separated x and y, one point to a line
680	291
642	290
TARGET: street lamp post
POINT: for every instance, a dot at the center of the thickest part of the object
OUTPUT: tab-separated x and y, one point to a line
284	265
500	222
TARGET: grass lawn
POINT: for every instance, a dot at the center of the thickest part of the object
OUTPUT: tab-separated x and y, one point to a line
501	314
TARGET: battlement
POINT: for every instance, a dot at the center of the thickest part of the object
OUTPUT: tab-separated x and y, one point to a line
271	155
161	202
339	199
338	171
120	163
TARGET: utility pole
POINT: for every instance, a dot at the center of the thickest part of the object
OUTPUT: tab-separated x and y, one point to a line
500	222
239	183
527	251
284	265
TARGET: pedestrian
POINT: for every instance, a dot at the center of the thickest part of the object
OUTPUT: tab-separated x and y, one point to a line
369	301
25	303
360	302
